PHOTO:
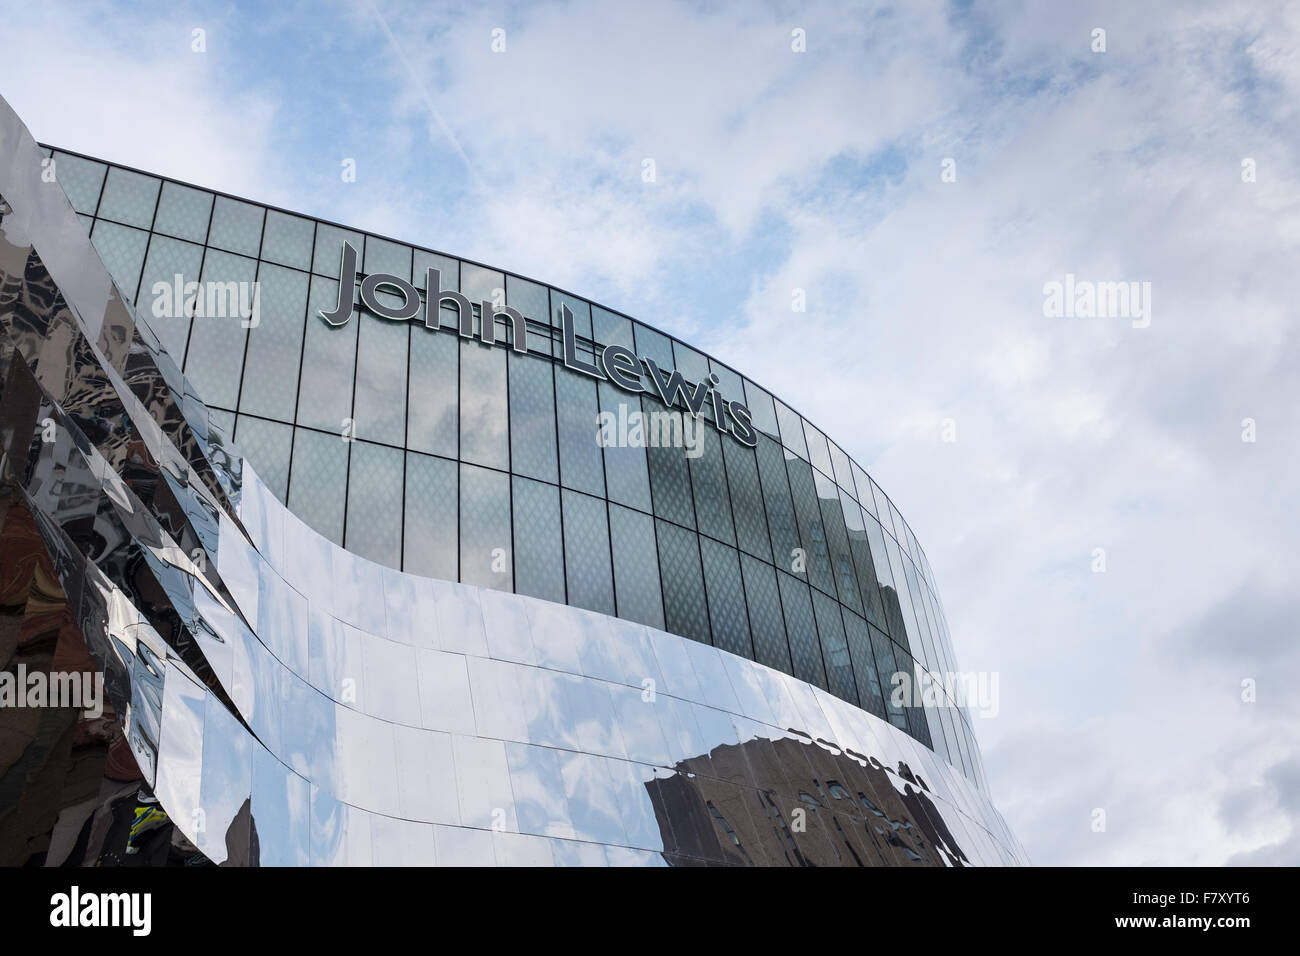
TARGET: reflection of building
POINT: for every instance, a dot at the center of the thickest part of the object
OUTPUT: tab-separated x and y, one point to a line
813	807
429	618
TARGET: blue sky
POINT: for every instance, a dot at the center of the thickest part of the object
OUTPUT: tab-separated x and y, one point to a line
820	171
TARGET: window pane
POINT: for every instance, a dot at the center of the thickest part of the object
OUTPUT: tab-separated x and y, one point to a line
531	299
811	533
236	226
770	645
318	481
864	665
653	345
837	541
805	650
818	452
539	554
484	423
329	353
683	584
581	464
791	431
122	252
485	528
746	499
129	198
835	649
81	179
432	423
670	483
532	417
776	501
288	240
380	406
762	410
184	212
431	516
374	528
216	355
610	329
727	611
586	553
329	249
626	474
266	446
167	259
275	344
388	257
709	483
636	566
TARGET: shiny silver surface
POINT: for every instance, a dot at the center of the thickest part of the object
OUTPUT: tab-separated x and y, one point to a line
289	702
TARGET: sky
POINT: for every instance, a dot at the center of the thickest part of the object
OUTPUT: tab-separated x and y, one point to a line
1109	502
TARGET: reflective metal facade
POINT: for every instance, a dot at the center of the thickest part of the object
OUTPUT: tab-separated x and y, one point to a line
288	700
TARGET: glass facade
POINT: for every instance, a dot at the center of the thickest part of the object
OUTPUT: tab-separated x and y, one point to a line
445	457
574	667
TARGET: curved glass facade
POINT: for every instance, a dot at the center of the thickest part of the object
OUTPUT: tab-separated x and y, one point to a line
229	686
431	452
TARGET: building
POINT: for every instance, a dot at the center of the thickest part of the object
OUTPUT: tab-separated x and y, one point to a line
371	580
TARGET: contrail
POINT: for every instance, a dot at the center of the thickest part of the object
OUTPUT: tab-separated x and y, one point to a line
428	100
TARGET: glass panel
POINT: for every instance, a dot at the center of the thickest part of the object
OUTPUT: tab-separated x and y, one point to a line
762	410
727	611
318	481
122	251
843	475
581	315
163	309
709	483
746	499
485	557
886	667
626	475
776	501
683	584
374	523
288	240
670	482
431	516
791	431
380	406
841	562
611	329
532	417
812	535
329	249
531	299
835	649
860	549
216	354
236	226
484	425
329	354
539	554
129	198
266	446
804	647
184	212
864	664
636	566
387	257
275	345
817	450
81	179
581	464
770	645
432	423
730	386
690	363
586	553
653	345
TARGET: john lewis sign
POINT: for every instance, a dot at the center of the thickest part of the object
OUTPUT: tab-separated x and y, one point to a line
615	363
